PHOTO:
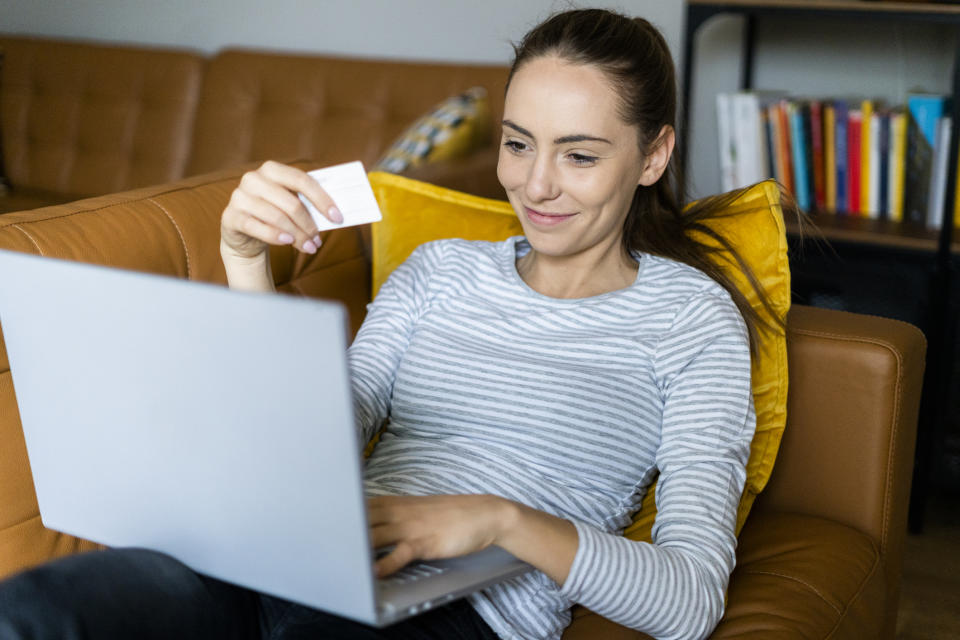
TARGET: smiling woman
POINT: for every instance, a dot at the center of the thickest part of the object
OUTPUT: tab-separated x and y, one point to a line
534	387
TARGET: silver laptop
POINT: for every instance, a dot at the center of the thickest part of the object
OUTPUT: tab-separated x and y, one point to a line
213	425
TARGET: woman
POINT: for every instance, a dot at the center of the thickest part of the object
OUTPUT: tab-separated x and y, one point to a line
535	387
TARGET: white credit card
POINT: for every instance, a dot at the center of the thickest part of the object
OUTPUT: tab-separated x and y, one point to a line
350	189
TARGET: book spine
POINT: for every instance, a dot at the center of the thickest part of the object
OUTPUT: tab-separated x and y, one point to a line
727	143
770	142
843	158
785	145
883	160
798	140
866	115
842	138
830	158
854	125
898	161
816	147
938	175
872	127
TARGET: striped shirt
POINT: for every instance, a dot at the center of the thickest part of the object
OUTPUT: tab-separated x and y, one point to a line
571	407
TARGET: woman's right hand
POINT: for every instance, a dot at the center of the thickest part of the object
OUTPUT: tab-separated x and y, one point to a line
264	209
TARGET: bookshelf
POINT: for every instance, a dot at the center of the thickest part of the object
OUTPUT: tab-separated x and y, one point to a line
934	249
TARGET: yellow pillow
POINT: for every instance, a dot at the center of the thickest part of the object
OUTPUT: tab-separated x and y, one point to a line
454	128
416	212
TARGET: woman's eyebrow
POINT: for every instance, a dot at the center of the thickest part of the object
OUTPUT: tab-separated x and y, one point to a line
579	137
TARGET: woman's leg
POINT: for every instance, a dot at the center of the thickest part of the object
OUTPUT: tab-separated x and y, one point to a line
123	593
284	620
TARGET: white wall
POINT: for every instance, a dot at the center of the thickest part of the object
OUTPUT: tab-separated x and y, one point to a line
456	30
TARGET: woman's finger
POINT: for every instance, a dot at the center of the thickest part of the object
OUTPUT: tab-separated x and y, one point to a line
259	186
402	555
248	206
298	181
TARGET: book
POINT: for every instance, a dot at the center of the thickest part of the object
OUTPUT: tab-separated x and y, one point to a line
880	190
938	174
898	159
841	138
854	142
830	157
751	163
866	118
785	145
798	147
726	142
923	110
817	155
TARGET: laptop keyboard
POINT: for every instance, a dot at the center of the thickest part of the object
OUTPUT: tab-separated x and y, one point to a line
411	572
414	572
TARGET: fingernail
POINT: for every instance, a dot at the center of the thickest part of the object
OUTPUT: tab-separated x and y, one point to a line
317	241
285	238
309	247
335	214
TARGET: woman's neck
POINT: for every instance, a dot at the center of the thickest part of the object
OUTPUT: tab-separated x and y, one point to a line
590	273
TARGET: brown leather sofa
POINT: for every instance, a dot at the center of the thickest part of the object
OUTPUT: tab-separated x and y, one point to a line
821	554
84	119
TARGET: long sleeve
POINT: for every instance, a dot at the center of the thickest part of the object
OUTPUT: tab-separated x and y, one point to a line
674	587
383	338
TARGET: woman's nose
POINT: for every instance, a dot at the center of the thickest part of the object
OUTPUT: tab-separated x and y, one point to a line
542	181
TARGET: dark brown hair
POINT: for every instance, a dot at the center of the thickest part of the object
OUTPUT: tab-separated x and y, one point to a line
637	61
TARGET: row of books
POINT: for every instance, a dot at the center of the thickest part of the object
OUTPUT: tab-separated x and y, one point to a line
848	157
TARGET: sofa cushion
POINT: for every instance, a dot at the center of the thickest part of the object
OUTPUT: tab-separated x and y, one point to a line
84	119
258	106
4	183
455	128
416	212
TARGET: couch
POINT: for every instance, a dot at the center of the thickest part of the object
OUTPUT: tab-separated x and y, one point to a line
82	119
820	555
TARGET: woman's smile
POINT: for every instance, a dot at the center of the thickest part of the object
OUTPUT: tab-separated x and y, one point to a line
547	218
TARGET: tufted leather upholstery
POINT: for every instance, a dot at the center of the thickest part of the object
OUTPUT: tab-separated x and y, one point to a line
86	119
819	557
82	119
257	106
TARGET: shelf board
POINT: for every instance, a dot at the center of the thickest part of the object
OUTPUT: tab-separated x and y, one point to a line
919	8
882	233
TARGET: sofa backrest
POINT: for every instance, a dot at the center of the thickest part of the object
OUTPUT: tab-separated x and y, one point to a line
83	119
257	106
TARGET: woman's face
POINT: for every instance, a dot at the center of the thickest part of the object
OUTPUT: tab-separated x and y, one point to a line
568	162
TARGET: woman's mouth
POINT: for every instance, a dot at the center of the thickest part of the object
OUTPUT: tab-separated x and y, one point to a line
545	218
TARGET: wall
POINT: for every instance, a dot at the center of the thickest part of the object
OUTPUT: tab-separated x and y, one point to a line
457	30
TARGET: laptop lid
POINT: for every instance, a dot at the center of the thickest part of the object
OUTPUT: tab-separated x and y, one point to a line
210	424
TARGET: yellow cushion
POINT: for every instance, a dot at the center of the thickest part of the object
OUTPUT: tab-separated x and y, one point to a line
416	212
454	128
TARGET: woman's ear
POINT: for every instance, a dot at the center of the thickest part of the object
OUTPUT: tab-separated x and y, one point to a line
656	163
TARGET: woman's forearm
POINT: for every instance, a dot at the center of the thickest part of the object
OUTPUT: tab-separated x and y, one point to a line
547	542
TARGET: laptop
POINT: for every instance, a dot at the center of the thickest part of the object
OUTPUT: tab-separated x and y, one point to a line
213	425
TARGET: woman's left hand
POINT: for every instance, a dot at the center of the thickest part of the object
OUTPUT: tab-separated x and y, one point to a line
432	527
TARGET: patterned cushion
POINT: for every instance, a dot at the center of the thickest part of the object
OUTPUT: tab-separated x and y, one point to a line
454	128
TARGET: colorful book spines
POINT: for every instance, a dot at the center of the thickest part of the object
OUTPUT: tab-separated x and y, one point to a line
846	157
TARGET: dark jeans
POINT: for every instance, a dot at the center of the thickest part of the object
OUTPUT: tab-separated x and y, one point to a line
145	595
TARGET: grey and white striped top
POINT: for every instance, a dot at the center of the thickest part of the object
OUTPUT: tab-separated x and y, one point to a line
569	406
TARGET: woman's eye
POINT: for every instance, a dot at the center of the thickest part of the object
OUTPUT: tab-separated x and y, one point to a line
582	160
515	146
